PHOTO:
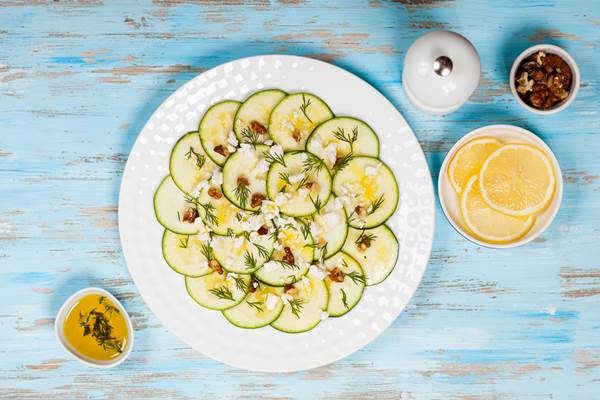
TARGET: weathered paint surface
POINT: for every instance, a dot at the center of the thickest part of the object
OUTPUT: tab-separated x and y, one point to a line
79	79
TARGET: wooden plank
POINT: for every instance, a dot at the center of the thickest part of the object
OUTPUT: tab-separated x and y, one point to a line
79	79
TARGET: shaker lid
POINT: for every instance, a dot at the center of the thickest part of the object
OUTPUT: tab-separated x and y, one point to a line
441	70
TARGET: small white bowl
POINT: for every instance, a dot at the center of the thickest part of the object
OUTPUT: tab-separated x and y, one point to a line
60	334
507	134
548	48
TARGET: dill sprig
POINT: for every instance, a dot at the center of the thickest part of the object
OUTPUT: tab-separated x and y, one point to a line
275	234
304	107
355	276
285	177
209	213
190	199
97	324
200	159
287	265
343	162
296	306
241	194
344	298
183	243
249	260
239	216
262	251
230	232
365	238
240	283
206	251
340	134
222	292
375	205
317	203
250	136
304	228
255	304
312	164
272	157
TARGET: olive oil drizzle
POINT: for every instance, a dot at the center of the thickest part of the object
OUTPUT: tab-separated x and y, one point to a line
97	324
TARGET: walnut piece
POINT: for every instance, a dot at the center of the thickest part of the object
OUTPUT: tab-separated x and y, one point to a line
257	200
258	127
190	215
222	150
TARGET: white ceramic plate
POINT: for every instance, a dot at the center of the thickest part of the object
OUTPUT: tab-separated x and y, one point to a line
507	134
207	331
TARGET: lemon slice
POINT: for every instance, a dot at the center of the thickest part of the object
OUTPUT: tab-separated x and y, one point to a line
517	179
468	160
487	224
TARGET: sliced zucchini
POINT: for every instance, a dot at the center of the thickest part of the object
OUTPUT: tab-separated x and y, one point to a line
295	117
336	138
171	206
244	175
252	118
305	309
184	254
376	250
215	128
258	309
189	165
300	184
368	189
219	214
293	235
218	291
344	295
243	254
329	228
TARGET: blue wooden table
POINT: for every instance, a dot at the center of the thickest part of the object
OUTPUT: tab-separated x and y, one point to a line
79	79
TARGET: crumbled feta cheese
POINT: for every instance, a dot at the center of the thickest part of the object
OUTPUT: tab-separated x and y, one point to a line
296	115
286	298
323	315
270	209
330	153
296	178
271	266
254	284
202	185
303	193
277	246
281	198
246	149
204	237
217	178
261	168
276	150
316	272
231	149
268	142
271	301
232	139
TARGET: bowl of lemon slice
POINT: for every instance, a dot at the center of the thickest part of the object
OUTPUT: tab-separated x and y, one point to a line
500	186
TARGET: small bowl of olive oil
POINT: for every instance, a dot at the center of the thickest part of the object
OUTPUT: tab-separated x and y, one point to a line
94	327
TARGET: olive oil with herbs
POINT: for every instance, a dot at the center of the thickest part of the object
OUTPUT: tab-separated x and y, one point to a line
95	328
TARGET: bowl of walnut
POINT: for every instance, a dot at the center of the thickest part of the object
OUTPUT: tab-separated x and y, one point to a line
544	79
